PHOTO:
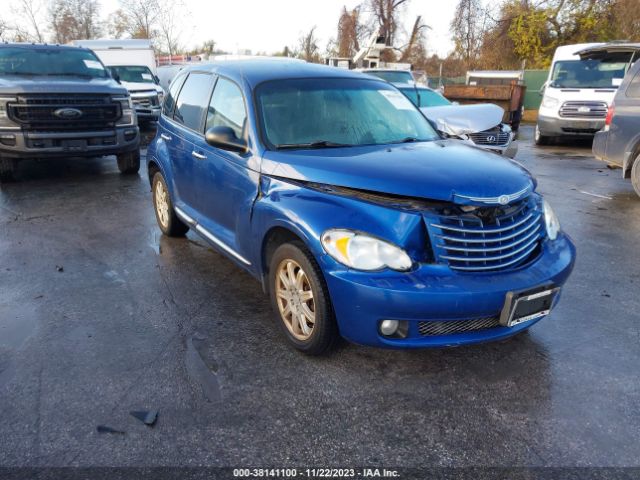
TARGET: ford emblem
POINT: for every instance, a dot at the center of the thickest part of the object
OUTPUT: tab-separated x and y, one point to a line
503	199
68	113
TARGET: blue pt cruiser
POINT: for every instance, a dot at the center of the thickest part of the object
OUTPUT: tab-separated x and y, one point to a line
333	190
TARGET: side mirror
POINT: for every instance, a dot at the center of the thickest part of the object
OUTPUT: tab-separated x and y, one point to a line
156	79
116	77
225	138
542	89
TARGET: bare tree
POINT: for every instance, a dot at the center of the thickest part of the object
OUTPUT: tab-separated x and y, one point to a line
74	19
31	27
309	49
468	27
349	32
170	25
415	49
142	15
386	15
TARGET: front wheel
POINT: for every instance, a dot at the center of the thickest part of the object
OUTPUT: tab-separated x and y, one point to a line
541	139
7	169
129	163
300	299
166	216
635	175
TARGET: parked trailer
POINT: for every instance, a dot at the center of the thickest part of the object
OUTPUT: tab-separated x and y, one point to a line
510	97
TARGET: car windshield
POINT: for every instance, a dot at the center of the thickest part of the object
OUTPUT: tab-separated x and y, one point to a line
592	73
423	97
132	74
325	112
401	76
50	62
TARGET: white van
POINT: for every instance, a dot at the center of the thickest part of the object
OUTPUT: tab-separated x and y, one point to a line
133	64
580	88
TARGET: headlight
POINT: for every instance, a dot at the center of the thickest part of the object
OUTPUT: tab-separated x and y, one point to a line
5	121
551	221
129	117
363	252
550	102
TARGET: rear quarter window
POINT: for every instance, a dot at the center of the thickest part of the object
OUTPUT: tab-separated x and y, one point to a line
193	100
633	90
170	100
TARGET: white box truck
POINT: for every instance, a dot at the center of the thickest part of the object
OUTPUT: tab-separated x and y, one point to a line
580	88
133	64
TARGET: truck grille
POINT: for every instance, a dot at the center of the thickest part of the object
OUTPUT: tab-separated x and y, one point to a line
490	238
494	137
451	327
146	102
577	109
43	112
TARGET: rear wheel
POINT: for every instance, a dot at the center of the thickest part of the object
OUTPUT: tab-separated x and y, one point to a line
300	299
129	163
166	216
541	139
635	175
7	169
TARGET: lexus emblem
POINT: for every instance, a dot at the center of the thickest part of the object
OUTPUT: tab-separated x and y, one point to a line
503	199
491	138
68	113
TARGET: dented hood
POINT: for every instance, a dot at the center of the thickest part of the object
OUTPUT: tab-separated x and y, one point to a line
464	119
445	170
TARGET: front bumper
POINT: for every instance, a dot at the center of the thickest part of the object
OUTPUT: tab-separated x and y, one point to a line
29	144
574	127
436	293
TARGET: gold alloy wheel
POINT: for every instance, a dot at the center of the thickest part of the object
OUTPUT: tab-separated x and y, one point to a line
162	204
295	299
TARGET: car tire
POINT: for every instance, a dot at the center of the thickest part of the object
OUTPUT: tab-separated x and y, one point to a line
166	216
302	306
7	169
635	175
541	139
129	163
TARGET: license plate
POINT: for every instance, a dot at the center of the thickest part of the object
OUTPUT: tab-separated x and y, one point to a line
522	307
74	145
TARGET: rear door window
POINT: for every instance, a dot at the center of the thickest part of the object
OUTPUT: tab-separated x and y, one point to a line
633	90
193	100
227	108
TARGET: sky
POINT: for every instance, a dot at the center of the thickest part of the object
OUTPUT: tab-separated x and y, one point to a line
269	25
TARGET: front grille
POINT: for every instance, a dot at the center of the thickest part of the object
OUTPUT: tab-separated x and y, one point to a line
577	109
451	327
489	238
38	112
148	101
494	137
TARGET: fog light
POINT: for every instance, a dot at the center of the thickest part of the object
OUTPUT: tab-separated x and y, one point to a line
8	140
389	327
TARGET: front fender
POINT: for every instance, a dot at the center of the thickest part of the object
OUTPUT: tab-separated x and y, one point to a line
309	212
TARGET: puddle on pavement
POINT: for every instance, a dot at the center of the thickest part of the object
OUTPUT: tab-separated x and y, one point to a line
201	373
16	326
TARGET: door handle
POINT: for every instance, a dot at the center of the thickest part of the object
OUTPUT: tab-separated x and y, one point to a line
197	155
165	137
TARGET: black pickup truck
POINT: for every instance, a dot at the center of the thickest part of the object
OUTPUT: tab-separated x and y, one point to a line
61	101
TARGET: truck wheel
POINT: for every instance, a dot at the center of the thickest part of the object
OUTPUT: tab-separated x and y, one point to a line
300	299
541	139
166	216
129	162
635	175
7	169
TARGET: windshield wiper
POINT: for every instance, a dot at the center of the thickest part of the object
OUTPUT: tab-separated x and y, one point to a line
316	144
408	140
66	74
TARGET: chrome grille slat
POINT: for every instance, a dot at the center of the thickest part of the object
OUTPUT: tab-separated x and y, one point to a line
490	137
451	327
571	109
488	238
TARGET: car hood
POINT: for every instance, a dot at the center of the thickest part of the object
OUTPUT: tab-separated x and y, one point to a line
142	87
19	84
444	170
464	119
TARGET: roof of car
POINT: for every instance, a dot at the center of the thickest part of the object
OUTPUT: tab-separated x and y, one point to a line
256	71
41	46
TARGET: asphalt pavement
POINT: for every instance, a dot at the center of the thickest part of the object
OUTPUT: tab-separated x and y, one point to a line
101	315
